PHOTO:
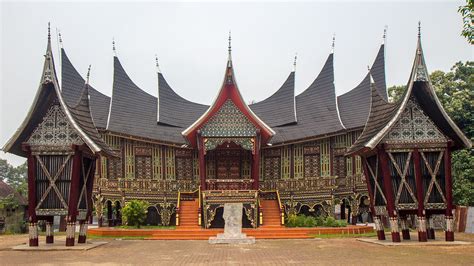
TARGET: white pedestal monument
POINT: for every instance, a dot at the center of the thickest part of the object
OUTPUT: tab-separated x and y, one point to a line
233	227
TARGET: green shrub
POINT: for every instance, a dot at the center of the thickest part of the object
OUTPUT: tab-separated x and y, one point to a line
341	223
319	221
300	220
291	220
330	222
134	212
310	221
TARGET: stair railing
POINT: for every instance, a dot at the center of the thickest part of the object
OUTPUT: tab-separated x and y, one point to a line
199	206
282	211
260	211
177	208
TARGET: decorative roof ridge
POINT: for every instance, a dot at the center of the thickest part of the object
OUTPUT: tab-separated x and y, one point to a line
328	66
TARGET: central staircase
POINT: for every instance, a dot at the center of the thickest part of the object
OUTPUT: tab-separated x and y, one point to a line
188	214
271	213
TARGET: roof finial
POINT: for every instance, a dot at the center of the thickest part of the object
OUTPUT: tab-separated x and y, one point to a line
419	29
49	31
384	37
113	46
230	42
157	65
294	62
333	42
60	39
88	74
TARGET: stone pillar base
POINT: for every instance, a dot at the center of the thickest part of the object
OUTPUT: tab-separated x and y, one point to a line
49	233
381	235
406	234
422	237
33	234
449	233
449	236
82	232
396	237
430	233
394	229
70	230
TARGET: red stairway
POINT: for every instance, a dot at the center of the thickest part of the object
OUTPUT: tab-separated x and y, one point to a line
188	214
271	214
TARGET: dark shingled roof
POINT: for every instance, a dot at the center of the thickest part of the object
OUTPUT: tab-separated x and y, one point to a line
133	111
383	116
6	190
278	109
174	109
354	105
380	114
48	93
82	116
71	87
316	109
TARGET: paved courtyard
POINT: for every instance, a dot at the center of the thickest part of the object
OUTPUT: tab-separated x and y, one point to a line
347	251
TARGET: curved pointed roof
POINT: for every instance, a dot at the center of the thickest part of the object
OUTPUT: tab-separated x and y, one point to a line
278	109
174	109
316	109
229	92
354	105
133	112
71	87
419	86
78	116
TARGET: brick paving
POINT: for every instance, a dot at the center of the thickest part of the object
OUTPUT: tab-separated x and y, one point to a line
346	251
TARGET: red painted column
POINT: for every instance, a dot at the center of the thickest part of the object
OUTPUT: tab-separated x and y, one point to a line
422	235
84	224
202	161
73	196
376	218
387	180
49	230
449	234
32	219
256	162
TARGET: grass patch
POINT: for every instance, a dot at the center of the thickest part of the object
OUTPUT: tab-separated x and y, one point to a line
146	227
328	236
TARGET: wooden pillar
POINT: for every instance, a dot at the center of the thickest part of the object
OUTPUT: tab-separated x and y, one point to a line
449	234
32	219
256	162
292	161
202	161
387	180
49	230
421	228
430	232
375	217
404	226
90	184
73	196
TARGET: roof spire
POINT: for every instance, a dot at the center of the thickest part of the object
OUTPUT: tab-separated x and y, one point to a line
294	62
113	46
384	37
229	59
419	29
49	31
333	42
60	39
157	65
88	74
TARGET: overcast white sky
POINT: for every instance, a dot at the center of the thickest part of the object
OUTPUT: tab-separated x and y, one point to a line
190	40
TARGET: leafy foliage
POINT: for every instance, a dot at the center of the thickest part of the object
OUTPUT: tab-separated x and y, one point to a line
311	221
134	212
467	13
16	177
455	90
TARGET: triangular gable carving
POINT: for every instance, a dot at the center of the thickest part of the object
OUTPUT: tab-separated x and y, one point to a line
414	125
55	130
229	121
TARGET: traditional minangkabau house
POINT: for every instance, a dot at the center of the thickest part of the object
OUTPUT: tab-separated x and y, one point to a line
406	151
61	144
284	155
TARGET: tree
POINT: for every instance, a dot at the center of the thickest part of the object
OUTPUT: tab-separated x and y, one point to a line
467	13
134	212
16	177
455	90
